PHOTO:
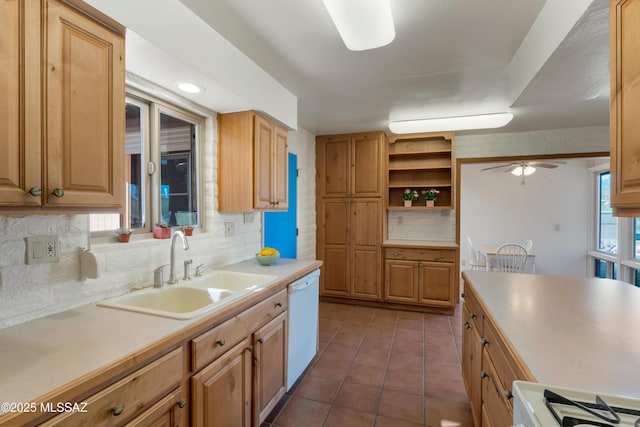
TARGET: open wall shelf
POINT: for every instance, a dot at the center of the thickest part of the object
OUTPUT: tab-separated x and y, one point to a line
420	162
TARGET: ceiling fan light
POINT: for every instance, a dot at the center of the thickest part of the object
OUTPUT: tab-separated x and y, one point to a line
517	171
362	24
528	170
484	121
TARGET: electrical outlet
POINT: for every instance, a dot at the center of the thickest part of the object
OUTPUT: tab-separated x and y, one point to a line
229	228
43	249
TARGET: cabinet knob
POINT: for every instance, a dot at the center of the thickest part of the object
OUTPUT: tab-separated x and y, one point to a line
508	394
474	316
483	374
117	410
278	304
260	340
182	403
484	342
396	253
35	191
221	342
462	295
441	257
58	192
250	349
467	325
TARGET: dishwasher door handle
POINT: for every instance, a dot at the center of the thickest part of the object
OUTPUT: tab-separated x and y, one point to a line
295	287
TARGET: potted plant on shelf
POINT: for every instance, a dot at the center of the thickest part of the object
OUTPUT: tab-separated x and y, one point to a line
162	231
188	230
124	234
431	196
409	196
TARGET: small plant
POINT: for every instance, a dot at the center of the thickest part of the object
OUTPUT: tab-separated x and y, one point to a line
431	194
162	225
124	234
410	194
124	231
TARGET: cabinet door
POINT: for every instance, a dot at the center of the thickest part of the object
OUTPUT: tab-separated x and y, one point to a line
494	408
366	232
334	247
270	373
20	103
168	412
84	81
367	165
221	392
625	106
263	148
437	284
401	281
472	364
281	165
333	166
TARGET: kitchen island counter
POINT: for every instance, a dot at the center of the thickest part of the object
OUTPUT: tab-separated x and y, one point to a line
573	332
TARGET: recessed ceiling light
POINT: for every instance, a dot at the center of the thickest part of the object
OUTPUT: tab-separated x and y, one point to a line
485	121
189	87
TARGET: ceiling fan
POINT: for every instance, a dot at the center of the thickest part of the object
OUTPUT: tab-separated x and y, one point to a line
526	168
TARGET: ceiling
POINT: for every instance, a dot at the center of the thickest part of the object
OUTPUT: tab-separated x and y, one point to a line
449	58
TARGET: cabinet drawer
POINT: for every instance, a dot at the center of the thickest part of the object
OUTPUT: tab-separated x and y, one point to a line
506	369
440	255
129	396
218	340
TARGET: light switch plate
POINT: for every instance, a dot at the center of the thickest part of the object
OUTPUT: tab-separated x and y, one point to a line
42	249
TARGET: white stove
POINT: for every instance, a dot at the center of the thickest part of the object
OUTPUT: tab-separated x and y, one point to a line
532	407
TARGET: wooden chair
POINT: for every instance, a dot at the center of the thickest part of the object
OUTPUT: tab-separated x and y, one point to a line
528	244
472	254
511	258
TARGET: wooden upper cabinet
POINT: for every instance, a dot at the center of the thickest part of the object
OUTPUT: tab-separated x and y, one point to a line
625	107
350	165
252	163
20	113
84	78
62	113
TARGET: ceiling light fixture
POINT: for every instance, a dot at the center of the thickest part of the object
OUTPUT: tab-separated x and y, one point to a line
524	169
485	121
362	24
189	87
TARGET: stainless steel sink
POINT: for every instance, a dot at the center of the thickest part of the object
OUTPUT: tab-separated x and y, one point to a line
191	298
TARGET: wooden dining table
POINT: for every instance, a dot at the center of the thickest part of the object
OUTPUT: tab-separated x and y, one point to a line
489	253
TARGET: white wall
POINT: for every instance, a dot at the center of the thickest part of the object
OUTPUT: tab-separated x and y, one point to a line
552	209
31	291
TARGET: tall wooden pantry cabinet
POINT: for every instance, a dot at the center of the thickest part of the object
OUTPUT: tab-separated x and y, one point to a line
350	185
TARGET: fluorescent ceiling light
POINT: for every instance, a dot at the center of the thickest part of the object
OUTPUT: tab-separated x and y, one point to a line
525	170
362	24
189	87
485	121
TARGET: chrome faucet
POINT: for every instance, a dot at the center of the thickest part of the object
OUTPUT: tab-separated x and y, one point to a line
185	245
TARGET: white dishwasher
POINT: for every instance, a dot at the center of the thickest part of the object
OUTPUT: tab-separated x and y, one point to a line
303	324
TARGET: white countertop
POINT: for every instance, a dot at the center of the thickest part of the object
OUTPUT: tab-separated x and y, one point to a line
45	354
581	333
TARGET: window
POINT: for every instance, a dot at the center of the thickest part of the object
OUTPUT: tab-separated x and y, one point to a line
161	168
607	223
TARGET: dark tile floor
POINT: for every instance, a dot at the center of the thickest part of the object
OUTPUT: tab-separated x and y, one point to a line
379	367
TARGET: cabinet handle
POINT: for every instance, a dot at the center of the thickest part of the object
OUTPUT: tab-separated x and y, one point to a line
278	304
396	253
474	316
462	295
58	192
35	191
250	349
260	340
182	403
117	410
221	342
441	257
508	394
484	342
483	374
467	325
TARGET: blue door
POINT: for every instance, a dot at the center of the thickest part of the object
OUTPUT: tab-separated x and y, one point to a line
281	228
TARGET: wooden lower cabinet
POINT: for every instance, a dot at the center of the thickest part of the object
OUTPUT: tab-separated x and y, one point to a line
489	367
171	411
421	276
221	392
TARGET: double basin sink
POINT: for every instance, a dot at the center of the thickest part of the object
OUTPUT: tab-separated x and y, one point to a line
191	298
